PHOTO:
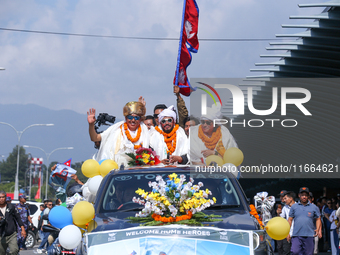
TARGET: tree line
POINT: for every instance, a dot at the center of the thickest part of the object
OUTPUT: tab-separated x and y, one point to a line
8	168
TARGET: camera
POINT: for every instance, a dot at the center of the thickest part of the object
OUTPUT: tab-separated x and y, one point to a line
102	119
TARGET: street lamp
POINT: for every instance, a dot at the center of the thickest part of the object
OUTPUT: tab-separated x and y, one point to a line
48	158
2	156
19	134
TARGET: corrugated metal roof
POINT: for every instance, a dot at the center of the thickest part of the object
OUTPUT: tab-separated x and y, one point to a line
313	53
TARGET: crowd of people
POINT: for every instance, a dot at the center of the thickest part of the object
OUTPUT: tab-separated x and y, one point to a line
15	220
314	223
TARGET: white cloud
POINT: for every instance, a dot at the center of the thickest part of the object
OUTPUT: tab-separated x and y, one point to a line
65	72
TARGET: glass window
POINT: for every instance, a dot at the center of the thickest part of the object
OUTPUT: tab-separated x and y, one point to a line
121	190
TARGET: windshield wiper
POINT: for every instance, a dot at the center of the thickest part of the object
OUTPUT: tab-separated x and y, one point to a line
130	210
221	206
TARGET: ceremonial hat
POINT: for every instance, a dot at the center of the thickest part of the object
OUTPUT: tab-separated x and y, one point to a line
134	108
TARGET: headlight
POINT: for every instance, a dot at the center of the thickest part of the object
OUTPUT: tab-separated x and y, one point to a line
256	240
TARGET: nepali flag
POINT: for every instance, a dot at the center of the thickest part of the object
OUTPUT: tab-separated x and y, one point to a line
188	43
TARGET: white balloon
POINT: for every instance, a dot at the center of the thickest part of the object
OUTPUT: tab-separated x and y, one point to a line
70	237
231	168
86	192
94	184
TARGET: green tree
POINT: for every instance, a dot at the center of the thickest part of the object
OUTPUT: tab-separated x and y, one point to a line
8	168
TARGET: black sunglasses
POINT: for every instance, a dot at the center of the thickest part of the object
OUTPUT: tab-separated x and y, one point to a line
208	122
166	120
155	116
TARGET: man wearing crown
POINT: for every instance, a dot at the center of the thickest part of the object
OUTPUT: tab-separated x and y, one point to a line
169	140
122	137
208	139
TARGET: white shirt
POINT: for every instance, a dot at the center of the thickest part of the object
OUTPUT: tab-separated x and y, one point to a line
197	145
114	144
332	219
285	214
158	144
3	210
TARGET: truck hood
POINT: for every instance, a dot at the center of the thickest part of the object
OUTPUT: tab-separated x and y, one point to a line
231	219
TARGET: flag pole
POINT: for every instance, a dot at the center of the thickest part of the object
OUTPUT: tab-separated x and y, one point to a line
180	44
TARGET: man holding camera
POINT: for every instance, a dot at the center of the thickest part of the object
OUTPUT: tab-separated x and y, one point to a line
9	217
122	137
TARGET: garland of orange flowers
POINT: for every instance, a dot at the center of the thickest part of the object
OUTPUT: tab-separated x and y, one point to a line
133	140
255	214
210	142
157	217
169	138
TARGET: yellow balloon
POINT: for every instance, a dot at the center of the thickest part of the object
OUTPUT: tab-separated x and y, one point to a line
90	168
82	213
214	158
233	155
106	166
278	228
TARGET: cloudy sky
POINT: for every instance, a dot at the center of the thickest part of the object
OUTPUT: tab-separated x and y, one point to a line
72	72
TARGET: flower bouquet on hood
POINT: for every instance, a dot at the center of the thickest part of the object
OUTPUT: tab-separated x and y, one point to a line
143	156
174	201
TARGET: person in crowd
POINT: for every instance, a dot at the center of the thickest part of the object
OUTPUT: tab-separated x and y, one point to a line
157	110
122	137
24	213
316	238
169	139
149	121
208	139
281	244
181	108
334	230
327	212
9	219
334	199
284	245
40	220
58	202
303	214
44	241
8	200
189	122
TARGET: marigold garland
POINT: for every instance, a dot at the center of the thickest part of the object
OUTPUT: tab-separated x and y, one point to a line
256	215
133	140
210	142
169	138
157	217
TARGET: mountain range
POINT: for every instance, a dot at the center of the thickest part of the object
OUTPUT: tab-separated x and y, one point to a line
70	130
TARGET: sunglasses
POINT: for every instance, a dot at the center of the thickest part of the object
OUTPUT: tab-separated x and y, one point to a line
166	120
208	122
155	116
130	117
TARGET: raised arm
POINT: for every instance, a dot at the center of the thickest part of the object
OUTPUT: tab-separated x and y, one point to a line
91	119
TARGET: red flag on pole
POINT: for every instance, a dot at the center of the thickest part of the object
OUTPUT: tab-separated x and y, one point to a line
37	196
188	43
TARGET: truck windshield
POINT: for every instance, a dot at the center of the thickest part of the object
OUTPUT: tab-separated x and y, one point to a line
121	189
